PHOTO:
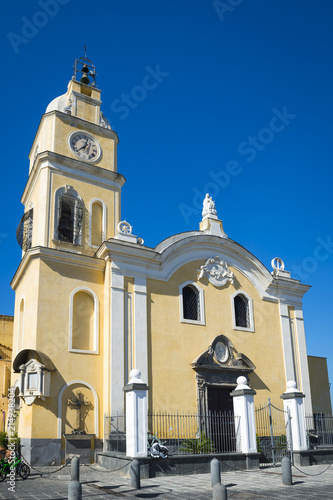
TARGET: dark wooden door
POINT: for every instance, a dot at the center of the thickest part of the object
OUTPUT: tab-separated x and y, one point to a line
221	424
219	400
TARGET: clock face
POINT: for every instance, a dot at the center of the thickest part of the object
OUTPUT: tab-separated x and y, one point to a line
85	146
221	352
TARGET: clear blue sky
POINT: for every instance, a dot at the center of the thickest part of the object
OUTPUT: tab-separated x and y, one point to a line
204	122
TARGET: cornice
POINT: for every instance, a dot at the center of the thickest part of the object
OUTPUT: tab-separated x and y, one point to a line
72	167
53	255
81	123
86	98
288	289
191	246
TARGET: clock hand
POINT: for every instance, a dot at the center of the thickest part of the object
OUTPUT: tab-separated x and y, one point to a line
84	146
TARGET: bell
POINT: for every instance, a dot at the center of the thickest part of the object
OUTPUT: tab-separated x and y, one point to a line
85	80
85	71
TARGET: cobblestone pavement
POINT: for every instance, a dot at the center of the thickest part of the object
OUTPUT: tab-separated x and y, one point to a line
242	485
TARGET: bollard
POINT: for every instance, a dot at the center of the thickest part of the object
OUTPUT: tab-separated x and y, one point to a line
135	474
286	471
219	492
74	487
215	472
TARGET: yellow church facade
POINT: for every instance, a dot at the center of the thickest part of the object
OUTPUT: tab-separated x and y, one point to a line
93	302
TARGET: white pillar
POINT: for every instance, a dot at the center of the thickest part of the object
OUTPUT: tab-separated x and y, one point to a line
286	342
117	355
303	360
136	415
293	402
140	326
243	401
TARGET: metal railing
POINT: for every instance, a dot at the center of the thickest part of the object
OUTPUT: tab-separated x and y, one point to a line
183	433
319	430
115	433
274	439
186	433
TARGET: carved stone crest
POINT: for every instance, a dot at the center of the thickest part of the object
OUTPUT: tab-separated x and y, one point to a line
217	272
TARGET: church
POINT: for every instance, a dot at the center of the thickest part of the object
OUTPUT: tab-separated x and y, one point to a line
92	302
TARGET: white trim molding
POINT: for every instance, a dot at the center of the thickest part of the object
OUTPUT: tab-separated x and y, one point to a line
96	321
250	306
82	382
201	304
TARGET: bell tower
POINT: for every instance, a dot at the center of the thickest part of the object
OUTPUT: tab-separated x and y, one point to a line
71	206
72	197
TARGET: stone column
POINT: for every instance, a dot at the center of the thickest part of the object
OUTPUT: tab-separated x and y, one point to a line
244	417
293	402
136	415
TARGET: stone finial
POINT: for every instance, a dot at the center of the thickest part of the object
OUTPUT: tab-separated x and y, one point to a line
278	268
242	383
135	377
292	386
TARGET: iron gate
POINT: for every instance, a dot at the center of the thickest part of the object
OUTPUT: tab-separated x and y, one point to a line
274	437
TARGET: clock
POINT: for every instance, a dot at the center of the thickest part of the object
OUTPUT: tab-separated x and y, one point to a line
85	146
221	352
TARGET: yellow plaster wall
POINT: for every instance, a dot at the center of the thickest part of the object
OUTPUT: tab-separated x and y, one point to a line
174	345
57	282
320	387
6	330
28	289
62	130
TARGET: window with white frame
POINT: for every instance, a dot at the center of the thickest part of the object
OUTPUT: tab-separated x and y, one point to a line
191	303
242	309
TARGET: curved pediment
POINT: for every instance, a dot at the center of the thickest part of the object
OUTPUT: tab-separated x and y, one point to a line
221	355
26	355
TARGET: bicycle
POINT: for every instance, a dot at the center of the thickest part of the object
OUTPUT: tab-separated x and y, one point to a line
21	468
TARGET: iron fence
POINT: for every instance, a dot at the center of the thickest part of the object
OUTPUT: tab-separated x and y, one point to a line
115	433
319	430
185	433
274	439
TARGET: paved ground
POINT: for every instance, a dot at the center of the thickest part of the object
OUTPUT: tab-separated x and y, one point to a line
98	484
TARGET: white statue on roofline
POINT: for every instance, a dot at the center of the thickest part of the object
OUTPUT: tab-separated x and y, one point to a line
208	206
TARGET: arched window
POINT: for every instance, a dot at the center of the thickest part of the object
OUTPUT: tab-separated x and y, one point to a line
68	216
242	312
84	321
97	222
191	306
191	303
